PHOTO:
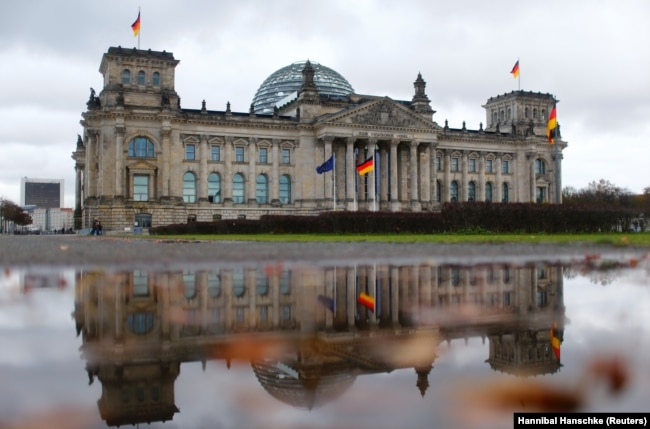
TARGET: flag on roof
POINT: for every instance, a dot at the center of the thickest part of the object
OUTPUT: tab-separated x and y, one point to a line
515	70
551	126
136	25
366	166
326	166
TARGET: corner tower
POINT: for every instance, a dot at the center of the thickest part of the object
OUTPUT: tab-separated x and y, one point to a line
134	77
521	112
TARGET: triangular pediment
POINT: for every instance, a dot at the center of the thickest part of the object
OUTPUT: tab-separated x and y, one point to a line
382	112
141	164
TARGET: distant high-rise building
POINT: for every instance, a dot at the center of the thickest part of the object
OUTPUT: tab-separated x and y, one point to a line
42	193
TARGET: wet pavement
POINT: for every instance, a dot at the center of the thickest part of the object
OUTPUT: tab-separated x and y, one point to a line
104	332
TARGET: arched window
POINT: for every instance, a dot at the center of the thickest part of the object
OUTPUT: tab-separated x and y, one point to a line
262	283
238	282
155	80
140	323
214	285
285	282
189	187
526	113
453	191
505	197
141	147
471	191
285	189
214	188
534	113
540	166
189	285
238	189
488	192
262	189
126	76
141	78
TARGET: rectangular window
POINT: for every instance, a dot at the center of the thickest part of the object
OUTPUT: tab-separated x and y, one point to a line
454	164
488	166
239	154
472	165
215	153
286	156
541	195
140	187
286	312
190	151
438	163
264	155
505	166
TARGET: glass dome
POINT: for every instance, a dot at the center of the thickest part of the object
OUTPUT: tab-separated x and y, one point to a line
287	81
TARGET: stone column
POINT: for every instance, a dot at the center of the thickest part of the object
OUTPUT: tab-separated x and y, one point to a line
413	163
425	182
204	154
383	164
166	161
372	282
91	163
252	174
371	197
119	163
394	176
462	191
531	169
433	173
394	301
328	178
498	194
350	173
446	185
77	188
351	298
480	196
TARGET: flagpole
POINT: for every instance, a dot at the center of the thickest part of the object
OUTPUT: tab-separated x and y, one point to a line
356	178
334	178
519	76
374	182
139	28
558	185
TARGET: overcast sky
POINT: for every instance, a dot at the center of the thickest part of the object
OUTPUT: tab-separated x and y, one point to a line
592	55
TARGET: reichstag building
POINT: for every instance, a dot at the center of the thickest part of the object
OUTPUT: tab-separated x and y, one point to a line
143	160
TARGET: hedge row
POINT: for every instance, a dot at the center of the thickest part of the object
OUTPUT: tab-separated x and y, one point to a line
454	217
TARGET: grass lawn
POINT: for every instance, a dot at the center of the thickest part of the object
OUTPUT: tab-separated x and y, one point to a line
615	239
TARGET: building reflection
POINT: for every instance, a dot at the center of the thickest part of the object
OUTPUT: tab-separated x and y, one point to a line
302	329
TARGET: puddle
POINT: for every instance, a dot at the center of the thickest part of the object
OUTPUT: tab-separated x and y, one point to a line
298	345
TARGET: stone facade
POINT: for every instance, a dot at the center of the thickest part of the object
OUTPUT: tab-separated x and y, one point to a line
145	161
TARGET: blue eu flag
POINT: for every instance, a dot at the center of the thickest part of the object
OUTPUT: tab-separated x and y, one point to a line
326	166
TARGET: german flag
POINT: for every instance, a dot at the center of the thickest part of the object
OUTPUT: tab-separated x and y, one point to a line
515	70
551	126
555	341
367	301
366	166
136	25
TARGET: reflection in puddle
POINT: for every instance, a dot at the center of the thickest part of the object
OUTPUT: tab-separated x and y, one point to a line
308	334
